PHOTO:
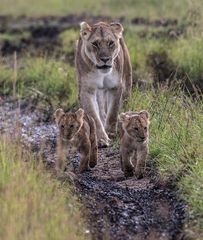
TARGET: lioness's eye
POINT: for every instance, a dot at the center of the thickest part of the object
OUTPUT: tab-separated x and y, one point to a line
71	126
111	44
145	128
62	126
136	129
95	44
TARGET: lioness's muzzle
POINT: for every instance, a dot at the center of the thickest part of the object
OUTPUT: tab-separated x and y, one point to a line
104	67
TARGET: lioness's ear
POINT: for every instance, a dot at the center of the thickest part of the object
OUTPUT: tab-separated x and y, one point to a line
144	113
117	28
79	113
123	117
58	114
85	30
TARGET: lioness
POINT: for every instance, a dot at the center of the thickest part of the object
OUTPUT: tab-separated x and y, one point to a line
134	142
104	75
76	130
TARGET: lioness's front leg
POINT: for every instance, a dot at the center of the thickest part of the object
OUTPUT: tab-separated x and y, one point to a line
101	105
88	101
114	97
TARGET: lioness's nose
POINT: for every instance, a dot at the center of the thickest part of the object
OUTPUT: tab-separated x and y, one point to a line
105	59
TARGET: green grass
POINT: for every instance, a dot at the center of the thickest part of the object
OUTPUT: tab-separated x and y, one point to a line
186	54
68	39
54	80
176	143
114	8
34	205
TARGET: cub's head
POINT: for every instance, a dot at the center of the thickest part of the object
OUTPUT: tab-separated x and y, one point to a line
101	43
69	124
136	124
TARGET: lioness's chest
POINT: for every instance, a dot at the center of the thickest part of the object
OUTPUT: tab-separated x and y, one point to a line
104	81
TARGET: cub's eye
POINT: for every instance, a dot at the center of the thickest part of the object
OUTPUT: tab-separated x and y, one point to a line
145	128
62	126
95	44
111	44
136	129
71	126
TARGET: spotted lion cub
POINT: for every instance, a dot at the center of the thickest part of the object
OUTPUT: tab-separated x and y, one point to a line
77	131
134	142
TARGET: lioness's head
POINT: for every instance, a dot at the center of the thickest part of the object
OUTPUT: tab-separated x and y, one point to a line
101	43
136	124
69	123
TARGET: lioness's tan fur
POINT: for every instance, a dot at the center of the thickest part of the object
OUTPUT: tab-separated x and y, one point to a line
104	74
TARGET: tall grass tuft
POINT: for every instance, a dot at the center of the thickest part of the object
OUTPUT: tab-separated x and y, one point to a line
176	143
33	204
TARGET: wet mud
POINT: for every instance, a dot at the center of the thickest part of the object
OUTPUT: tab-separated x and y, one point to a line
116	208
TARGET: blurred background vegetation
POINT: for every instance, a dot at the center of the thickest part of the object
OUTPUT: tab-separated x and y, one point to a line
165	44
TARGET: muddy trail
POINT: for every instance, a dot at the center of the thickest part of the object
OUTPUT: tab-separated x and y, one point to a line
117	208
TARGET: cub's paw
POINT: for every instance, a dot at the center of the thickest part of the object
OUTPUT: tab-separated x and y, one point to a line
129	171
83	169
92	163
139	174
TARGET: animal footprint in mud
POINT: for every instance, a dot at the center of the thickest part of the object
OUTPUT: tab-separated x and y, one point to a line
76	131
134	142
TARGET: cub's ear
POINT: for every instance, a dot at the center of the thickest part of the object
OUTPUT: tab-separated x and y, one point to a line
123	117
79	113
144	114
117	28
58	114
85	30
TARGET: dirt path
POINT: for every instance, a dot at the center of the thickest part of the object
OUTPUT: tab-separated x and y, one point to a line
118	208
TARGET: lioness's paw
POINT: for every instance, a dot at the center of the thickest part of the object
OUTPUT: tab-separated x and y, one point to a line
103	143
92	164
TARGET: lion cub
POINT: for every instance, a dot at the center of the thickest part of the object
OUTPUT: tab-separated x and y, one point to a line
76	130
134	142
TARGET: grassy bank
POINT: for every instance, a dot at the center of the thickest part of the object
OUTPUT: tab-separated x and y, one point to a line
176	143
114	8
33	204
49	78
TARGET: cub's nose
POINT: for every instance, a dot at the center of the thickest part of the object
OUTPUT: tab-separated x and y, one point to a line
104	59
